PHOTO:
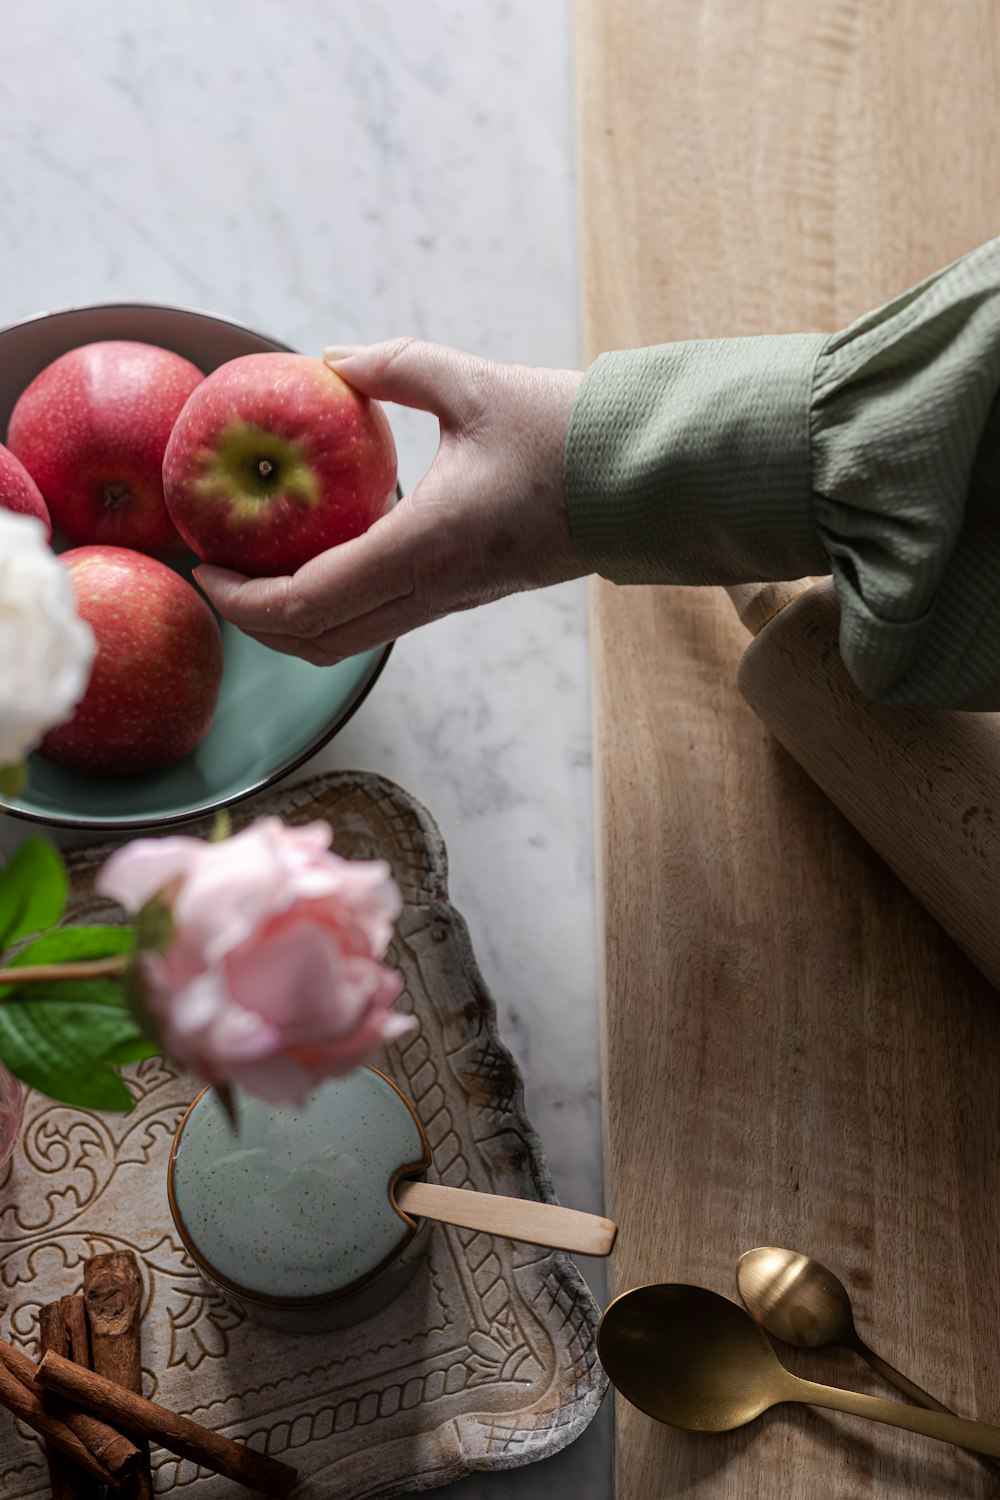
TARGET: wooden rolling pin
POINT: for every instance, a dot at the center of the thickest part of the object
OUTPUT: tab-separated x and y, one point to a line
922	786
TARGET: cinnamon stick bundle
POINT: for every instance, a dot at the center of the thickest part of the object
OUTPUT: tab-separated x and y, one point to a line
63	1329
112	1292
188	1439
25	1404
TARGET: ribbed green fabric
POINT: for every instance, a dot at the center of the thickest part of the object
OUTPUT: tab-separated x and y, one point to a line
874	454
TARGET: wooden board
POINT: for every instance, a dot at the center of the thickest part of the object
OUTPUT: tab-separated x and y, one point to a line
794	1052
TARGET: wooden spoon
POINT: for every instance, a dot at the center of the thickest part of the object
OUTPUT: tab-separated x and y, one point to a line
519	1219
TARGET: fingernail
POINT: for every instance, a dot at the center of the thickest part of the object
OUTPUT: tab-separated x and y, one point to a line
339	352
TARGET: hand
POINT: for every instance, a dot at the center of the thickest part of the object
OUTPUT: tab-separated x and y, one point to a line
488	518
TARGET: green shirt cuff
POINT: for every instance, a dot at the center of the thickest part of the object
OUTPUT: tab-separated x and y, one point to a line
690	462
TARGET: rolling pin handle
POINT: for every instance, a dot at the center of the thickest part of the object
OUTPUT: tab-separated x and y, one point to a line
757	603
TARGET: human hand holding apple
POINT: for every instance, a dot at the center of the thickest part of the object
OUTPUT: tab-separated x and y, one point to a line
489	518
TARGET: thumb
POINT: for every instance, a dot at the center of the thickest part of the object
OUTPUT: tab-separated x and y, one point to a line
410	372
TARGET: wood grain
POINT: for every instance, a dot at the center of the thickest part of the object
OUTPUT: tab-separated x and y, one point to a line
794	1052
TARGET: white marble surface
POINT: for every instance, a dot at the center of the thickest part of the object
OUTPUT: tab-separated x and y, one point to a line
330	171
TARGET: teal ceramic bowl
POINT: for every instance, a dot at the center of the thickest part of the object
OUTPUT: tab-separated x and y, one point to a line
274	711
293	1217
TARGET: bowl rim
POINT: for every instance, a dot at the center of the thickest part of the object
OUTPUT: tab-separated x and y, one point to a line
130	306
112	825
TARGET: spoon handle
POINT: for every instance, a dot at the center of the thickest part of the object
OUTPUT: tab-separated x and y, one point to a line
520	1219
909	1388
980	1437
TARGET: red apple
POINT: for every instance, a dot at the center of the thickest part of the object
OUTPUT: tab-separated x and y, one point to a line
91	430
275	459
156	676
18	491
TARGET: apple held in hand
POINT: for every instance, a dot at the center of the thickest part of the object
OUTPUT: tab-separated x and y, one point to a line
275	459
19	492
156	677
91	430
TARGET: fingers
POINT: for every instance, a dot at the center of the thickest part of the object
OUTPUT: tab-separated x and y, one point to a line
410	372
348	581
365	633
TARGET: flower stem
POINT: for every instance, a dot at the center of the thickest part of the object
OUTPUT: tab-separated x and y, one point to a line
91	968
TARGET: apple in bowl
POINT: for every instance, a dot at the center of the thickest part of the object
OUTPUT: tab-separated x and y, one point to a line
20	493
156	676
274	459
91	430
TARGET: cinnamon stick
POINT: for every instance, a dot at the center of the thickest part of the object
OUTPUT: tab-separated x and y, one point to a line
63	1328
186	1438
112	1292
66	1480
25	1404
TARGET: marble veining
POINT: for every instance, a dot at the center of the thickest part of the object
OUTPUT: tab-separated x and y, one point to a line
326	171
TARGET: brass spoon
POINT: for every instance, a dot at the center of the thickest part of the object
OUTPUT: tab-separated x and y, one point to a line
797	1300
800	1301
693	1359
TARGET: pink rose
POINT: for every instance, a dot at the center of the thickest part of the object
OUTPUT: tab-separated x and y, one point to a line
272	978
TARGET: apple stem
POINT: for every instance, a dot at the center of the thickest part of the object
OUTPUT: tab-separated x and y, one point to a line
92	968
265	468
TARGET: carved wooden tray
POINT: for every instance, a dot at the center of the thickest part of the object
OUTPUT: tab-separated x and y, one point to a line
486	1361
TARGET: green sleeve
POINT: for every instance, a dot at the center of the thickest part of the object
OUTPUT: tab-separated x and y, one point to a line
873	454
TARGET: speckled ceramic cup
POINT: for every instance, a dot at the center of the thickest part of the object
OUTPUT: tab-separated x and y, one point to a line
294	1218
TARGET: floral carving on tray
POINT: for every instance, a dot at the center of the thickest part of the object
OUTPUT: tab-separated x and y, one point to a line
486	1360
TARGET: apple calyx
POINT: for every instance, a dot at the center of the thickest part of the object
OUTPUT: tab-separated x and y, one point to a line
117	496
249	467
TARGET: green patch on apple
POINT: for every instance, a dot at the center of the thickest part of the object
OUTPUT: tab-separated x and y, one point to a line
249	467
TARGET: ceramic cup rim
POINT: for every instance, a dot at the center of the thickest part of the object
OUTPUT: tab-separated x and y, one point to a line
319	1299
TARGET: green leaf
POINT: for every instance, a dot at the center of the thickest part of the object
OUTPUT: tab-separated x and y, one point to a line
102	1089
61	1038
70	944
33	890
130	1052
13	779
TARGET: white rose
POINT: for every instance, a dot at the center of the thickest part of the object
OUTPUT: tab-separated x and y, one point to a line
46	650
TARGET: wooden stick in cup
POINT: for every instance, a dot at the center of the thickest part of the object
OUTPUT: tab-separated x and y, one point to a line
521	1219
